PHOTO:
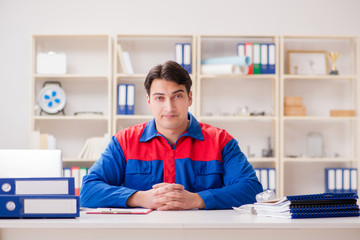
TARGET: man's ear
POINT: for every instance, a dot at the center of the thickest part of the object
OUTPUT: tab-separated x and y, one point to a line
190	98
148	102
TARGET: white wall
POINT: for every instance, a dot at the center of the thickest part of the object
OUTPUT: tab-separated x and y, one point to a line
20	18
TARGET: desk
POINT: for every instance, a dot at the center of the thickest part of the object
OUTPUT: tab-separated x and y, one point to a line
174	225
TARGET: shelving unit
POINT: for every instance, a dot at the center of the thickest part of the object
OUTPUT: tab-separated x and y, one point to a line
87	84
145	52
94	73
302	174
219	98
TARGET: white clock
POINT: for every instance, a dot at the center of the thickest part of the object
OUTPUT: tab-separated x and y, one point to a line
52	98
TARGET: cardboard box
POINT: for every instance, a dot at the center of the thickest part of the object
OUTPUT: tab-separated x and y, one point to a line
342	113
295	111
292	101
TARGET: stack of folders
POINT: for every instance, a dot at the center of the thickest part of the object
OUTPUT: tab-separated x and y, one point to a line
310	206
183	55
267	177
38	198
262	57
341	180
126	99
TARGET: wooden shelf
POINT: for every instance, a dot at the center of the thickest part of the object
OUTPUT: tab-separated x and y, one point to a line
263	159
72	118
317	77
305	159
236	118
318	118
134	117
78	160
70	76
238	76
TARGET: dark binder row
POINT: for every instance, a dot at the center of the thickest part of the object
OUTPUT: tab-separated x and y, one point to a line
324	205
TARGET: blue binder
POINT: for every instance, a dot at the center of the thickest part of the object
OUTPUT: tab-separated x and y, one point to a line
121	99
264	59
36	186
39	206
179	58
187	57
271	58
130	99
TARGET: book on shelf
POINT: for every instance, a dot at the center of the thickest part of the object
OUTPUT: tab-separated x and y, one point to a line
93	147
125	64
310	206
42	140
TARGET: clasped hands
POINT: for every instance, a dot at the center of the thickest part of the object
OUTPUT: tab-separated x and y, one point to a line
166	196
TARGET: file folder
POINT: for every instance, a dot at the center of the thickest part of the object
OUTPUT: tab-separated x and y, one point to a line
179	54
249	53
36	186
121	106
40	206
187	57
264	58
271	58
130	99
256	57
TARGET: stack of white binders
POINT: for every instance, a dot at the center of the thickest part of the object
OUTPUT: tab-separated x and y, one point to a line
38	198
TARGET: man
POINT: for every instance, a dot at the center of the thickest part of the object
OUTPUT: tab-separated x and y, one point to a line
172	162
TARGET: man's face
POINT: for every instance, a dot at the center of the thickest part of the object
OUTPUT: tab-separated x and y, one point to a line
169	103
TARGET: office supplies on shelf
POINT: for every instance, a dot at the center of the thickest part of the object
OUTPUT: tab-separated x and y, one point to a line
271	58
183	55
121	102
51	63
187	57
236	60
220	69
342	113
127	63
130	99
264	60
256	58
314	145
39	206
120	211
310	206
340	180
37	186
267	177
179	58
121	59
34	163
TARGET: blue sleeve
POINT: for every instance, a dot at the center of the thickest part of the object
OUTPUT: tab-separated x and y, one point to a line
102	187
240	182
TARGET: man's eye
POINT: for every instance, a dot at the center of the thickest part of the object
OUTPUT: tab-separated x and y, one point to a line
178	96
159	98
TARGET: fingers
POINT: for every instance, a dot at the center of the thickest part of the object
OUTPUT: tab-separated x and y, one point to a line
163	188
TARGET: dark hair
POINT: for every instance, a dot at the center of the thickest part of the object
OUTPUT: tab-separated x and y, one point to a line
170	71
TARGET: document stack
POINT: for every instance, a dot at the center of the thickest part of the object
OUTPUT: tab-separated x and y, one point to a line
310	206
38	198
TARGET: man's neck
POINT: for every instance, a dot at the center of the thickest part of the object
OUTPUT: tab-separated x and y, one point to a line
173	135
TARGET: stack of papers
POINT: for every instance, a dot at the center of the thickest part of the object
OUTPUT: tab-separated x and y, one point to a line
310	206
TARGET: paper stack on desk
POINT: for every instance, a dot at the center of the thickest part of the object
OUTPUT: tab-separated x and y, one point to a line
310	206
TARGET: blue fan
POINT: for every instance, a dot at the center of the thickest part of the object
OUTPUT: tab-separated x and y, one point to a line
52	98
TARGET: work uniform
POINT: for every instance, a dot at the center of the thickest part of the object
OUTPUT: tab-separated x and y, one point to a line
205	160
